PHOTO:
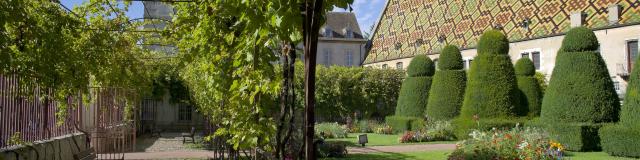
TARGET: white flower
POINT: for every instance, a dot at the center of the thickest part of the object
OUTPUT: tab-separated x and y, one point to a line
523	145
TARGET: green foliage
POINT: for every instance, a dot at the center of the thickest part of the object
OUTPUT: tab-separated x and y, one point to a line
525	67
577	136
331	130
620	140
580	39
332	149
491	91
400	124
541	79
450	58
228	53
420	66
464	126
413	96
342	91
623	139
447	90
493	42
580	90
531	96
516	143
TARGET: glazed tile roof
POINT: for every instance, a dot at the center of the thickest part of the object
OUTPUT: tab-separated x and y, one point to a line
410	27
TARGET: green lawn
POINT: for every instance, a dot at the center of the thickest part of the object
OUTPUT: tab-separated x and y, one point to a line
380	140
442	155
431	155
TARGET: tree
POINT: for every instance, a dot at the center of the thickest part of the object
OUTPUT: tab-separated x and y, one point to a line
491	95
67	52
580	93
528	86
447	91
229	48
414	92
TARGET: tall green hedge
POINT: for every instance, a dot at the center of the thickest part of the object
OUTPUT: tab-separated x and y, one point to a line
414	93
580	93
342	91
447	91
623	139
580	89
529	87
491	91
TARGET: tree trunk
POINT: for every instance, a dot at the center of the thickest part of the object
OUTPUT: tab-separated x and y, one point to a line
313	12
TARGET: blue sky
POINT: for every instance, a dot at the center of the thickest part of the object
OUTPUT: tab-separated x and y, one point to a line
367	11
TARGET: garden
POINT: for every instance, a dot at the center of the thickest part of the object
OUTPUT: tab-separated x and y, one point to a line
497	110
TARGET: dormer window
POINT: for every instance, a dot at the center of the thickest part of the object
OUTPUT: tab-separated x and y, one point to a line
348	33
328	32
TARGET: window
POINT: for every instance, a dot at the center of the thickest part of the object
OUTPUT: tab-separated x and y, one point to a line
616	85
467	62
632	53
349	34
349	58
399	65
184	112
328	32
385	66
327	57
466	66
533	55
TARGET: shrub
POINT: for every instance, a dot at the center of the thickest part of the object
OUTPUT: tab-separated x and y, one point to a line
367	126
623	139
491	89
439	131
580	89
620	140
447	90
384	129
529	87
465	126
331	130
517	143
415	88
332	149
580	95
341	91
400	124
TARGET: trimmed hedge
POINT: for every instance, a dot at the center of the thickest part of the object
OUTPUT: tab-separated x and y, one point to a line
447	91
491	89
464	126
623	139
420	66
577	136
580	96
531	98
450	59
620	140
414	92
400	124
580	89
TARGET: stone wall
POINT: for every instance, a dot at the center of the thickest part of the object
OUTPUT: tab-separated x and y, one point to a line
58	148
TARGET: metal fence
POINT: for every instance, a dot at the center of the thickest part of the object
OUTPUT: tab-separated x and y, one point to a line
30	118
26	118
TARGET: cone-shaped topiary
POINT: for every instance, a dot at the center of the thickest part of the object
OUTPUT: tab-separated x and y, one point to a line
491	92
580	89
447	92
623	139
528	85
580	95
415	88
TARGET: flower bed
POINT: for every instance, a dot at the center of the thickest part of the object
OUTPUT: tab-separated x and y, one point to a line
517	143
434	131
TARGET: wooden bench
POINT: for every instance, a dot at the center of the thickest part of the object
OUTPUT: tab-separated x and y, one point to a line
89	154
189	135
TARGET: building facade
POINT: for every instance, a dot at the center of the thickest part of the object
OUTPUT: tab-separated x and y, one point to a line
535	29
341	41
